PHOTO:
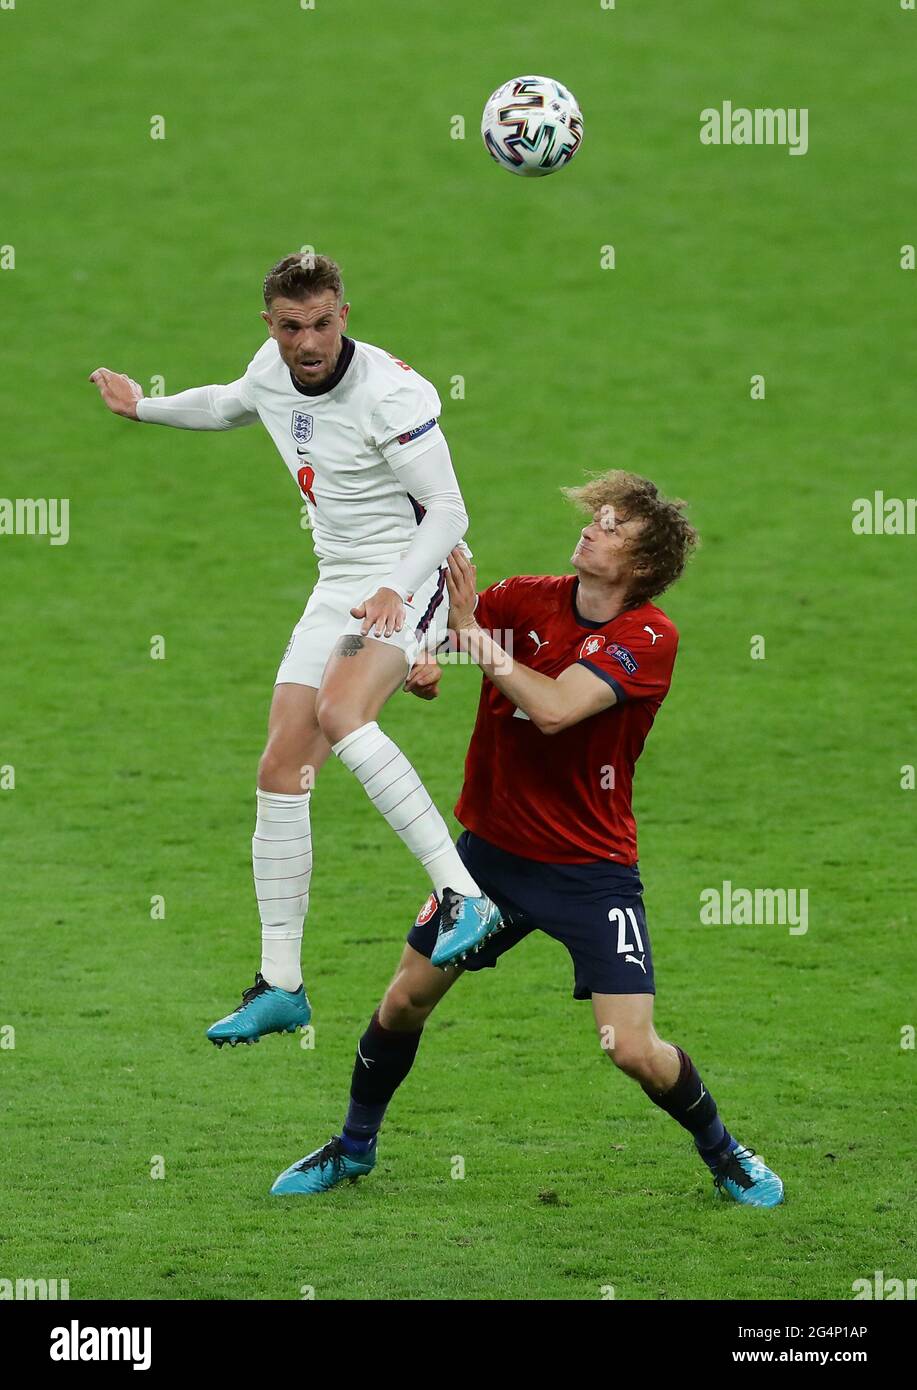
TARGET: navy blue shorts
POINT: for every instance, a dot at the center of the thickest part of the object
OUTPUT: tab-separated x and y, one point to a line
595	910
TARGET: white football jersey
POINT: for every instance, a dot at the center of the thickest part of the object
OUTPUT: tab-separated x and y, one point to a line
343	444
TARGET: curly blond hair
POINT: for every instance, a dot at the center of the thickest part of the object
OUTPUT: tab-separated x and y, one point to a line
666	539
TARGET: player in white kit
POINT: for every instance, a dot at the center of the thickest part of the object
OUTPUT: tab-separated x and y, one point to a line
358	431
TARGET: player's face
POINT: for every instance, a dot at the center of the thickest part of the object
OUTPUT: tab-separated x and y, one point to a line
605	547
308	334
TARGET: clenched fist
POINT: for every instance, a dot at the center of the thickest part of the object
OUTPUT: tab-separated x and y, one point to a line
119	392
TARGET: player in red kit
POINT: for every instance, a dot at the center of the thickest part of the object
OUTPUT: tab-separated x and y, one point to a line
542	798
575	669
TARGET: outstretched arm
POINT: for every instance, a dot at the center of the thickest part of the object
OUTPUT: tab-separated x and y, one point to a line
201	408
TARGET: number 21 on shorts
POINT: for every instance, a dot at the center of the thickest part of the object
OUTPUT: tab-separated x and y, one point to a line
624	946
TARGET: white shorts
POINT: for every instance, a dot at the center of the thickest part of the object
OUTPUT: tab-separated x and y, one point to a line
327	617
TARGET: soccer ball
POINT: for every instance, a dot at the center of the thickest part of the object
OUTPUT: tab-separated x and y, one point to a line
532	126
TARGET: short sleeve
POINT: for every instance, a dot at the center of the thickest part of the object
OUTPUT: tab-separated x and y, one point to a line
259	369
497	606
246	392
490	607
637	665
405	422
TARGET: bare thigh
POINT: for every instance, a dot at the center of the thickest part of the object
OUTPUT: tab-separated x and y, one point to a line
360	675
296	747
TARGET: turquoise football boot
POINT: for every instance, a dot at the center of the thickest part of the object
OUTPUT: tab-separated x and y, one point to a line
322	1170
745	1177
264	1009
464	925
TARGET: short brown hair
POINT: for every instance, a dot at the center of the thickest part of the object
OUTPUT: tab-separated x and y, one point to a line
302	276
666	540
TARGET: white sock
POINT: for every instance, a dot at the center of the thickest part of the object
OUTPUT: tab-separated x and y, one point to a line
282	867
397	792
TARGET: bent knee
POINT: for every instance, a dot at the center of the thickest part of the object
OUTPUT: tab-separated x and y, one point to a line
337	717
634	1056
406	1003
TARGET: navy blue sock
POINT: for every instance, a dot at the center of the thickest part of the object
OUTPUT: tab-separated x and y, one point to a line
361	1126
384	1058
711	1146
355	1146
693	1107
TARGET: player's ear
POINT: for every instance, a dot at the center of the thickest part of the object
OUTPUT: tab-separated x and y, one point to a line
345	310
267	319
638	572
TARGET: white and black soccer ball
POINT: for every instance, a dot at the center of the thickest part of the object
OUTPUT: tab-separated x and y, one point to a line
532	126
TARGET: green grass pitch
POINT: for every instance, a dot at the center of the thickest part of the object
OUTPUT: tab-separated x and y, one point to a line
135	777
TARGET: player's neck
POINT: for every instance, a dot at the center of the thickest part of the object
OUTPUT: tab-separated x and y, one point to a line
598	601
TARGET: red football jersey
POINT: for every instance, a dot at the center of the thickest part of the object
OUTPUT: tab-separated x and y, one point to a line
564	798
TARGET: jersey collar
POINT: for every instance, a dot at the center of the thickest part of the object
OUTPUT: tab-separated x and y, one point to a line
344	360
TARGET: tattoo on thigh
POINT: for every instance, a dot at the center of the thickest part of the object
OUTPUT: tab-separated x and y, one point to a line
350	645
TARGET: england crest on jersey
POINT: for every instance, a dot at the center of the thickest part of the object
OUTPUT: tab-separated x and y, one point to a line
302	427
